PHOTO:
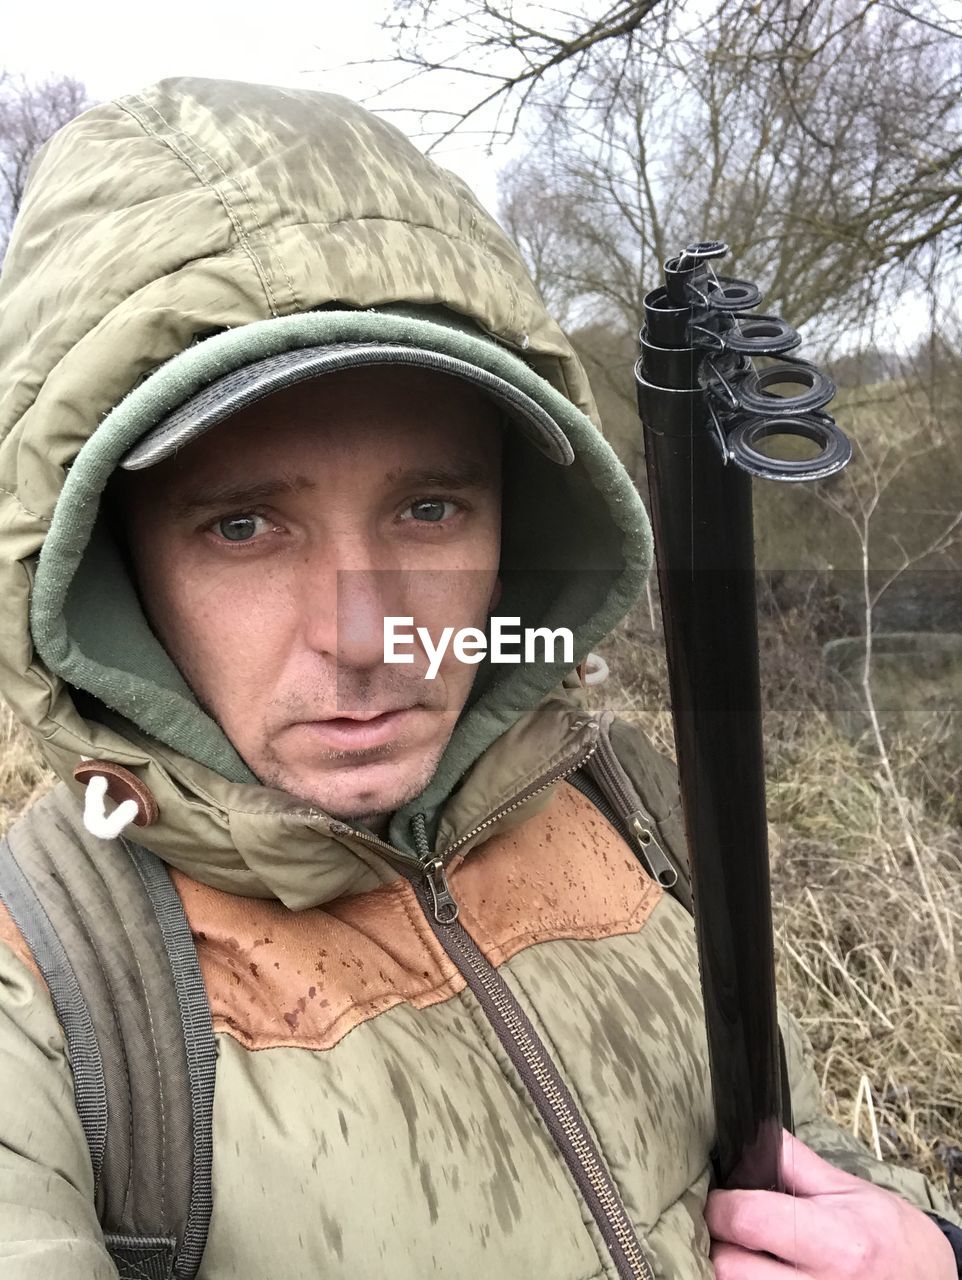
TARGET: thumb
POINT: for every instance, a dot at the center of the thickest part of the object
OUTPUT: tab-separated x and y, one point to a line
804	1173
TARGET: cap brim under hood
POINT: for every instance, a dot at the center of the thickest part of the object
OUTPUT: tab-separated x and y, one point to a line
140	273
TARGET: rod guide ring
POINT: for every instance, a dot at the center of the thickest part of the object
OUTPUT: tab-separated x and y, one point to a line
819	428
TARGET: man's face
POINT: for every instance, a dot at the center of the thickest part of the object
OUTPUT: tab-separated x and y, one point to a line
269	552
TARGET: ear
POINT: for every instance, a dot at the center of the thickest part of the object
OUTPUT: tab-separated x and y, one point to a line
495	596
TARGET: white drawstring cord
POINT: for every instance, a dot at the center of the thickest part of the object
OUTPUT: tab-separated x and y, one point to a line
96	819
596	669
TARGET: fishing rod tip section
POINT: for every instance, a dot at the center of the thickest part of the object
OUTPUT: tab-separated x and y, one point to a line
698	251
700	338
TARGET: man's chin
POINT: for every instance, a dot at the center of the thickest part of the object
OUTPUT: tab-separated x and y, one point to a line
360	792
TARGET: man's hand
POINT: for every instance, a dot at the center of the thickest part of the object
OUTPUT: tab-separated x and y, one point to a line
827	1226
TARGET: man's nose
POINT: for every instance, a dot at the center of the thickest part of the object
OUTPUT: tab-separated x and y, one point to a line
344	611
363	601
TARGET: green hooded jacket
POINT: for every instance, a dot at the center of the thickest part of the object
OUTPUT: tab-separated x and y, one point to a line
369	1120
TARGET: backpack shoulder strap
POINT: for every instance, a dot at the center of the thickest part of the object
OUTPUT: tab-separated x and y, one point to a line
636	787
109	934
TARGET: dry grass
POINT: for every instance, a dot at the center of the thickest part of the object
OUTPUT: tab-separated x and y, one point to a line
858	960
23	776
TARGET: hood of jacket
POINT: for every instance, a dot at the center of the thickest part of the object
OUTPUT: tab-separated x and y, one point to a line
178	234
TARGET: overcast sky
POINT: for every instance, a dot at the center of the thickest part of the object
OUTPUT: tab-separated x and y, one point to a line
116	48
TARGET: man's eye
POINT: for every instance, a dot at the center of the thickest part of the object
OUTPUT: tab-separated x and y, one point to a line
241	528
431	510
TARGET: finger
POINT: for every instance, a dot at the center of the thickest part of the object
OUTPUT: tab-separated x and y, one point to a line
791	1229
732	1263
804	1173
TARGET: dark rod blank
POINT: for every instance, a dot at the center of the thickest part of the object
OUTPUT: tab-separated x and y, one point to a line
702	518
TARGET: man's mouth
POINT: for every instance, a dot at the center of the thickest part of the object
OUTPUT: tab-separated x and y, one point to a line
356	733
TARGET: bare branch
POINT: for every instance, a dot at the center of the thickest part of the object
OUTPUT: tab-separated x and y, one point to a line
519	58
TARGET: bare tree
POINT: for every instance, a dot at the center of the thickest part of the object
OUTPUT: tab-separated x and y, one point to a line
837	120
809	168
512	51
29	115
509	52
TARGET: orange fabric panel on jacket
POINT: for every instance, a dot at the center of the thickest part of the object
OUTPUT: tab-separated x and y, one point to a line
566	873
277	977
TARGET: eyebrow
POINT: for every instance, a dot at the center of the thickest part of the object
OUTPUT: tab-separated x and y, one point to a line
454	477
239	495
465	475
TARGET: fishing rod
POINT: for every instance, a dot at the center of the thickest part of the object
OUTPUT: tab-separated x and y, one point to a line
707	412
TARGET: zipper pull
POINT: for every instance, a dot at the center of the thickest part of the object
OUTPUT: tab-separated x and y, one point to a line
446	909
652	854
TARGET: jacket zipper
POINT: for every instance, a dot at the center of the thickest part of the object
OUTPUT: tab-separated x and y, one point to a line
513	1027
524	1046
445	909
432	866
629	813
636	834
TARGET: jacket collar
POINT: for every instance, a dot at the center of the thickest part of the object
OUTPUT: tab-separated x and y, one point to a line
258	842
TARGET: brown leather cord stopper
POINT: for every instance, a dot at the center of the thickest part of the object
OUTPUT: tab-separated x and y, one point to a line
121	785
